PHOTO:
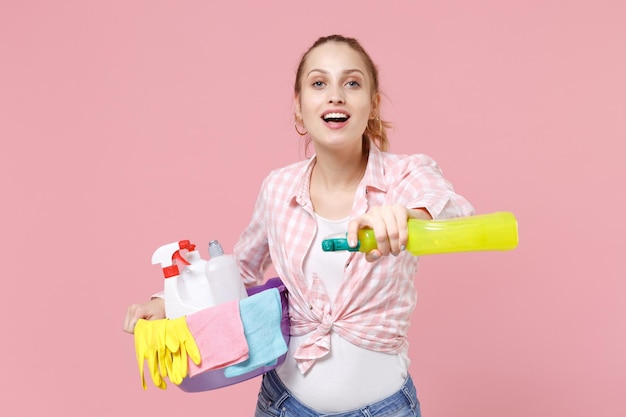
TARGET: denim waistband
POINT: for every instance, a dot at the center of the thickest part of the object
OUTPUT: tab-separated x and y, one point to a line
277	390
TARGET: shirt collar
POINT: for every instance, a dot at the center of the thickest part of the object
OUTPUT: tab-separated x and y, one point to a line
302	196
374	176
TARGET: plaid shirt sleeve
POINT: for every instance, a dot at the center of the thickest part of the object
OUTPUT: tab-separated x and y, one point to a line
252	249
416	181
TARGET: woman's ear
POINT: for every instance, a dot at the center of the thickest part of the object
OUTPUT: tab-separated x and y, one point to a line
375	106
297	109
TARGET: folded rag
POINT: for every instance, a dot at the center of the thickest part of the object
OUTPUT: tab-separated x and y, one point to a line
219	334
261	315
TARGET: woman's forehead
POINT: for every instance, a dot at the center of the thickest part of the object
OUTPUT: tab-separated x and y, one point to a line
334	57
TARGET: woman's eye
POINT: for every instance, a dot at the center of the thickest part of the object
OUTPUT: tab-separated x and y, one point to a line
353	84
318	84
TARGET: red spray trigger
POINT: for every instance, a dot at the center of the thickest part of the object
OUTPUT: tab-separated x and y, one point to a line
168	255
183	245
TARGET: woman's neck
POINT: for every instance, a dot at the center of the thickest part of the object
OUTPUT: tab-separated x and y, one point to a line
337	173
334	182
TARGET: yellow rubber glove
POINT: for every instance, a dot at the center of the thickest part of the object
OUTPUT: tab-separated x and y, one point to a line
181	344
150	346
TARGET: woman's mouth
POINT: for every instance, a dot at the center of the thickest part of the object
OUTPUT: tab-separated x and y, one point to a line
336	117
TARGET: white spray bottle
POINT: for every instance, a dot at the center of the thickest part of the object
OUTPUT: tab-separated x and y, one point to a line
185	291
194	288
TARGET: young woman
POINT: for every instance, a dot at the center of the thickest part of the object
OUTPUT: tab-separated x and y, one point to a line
350	311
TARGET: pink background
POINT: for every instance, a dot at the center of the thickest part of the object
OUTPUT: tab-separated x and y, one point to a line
128	125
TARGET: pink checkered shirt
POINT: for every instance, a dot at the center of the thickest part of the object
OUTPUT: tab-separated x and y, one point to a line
374	303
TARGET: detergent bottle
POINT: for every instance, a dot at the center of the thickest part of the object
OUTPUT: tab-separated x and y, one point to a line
484	232
190	284
222	273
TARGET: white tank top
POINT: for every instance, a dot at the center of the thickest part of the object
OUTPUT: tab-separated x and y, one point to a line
349	376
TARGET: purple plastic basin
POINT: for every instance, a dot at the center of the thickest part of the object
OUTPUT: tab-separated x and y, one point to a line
215	378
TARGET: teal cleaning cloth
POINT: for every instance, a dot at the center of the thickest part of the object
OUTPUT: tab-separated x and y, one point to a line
261	315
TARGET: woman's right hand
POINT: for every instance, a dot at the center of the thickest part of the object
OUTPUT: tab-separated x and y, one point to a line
150	310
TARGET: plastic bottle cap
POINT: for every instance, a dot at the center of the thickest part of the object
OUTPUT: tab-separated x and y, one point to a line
215	248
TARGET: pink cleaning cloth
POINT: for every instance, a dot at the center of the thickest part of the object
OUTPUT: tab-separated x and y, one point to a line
218	332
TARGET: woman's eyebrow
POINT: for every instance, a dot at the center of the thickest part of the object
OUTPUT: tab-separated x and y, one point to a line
344	72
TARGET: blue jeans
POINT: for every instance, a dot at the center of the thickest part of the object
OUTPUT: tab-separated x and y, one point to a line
276	401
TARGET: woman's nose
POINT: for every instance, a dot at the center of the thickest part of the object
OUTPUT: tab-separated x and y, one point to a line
336	95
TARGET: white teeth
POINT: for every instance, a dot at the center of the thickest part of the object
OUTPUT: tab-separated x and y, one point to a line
335	116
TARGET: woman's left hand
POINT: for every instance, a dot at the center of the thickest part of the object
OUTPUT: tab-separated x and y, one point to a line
389	224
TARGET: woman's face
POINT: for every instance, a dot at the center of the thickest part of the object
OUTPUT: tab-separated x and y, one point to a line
335	102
